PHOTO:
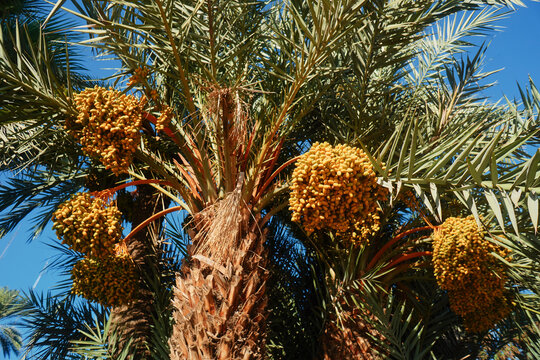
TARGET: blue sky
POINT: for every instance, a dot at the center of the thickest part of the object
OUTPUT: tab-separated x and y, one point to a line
515	50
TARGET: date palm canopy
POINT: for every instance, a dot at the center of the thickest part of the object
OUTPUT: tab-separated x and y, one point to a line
297	179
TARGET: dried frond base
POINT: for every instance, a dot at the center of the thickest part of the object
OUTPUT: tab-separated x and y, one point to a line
220	308
220	227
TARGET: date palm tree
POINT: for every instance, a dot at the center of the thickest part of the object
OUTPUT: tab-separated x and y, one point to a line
49	171
234	91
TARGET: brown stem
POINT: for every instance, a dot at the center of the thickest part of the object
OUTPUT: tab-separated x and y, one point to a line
406	257
272	159
193	185
248	147
152	218
392	242
166	130
227	121
272	177
109	192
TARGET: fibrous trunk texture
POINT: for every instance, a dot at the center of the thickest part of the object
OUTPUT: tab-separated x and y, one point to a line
220	300
134	320
351	340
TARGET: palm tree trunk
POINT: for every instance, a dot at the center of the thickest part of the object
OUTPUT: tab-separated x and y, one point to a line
219	303
134	320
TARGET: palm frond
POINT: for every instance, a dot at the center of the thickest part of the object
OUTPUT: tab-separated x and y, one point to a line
55	322
295	320
12	307
101	342
404	336
20	197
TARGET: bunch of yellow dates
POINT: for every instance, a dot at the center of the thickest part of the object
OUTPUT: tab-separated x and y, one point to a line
474	278
336	188
108	126
89	225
